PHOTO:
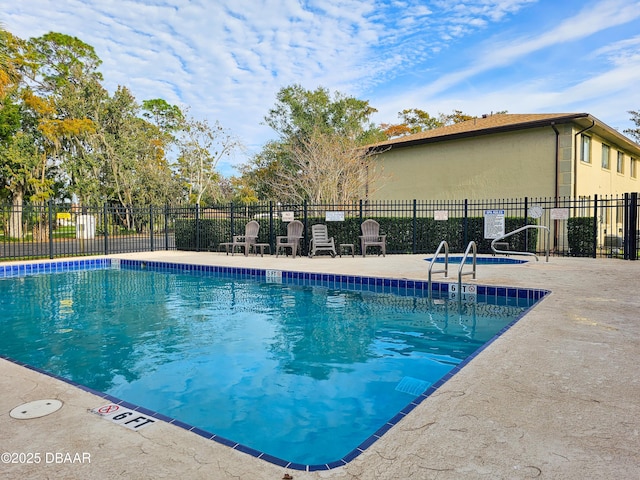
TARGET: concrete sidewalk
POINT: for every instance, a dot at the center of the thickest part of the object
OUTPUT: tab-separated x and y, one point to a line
556	397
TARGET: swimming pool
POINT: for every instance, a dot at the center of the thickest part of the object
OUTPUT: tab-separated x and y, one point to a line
355	367
453	259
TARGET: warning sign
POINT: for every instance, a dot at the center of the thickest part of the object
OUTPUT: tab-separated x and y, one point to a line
107	409
124	416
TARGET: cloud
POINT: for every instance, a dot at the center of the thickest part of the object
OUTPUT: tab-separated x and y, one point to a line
496	54
227	59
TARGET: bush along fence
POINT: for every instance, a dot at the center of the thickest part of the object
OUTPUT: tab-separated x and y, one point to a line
584	227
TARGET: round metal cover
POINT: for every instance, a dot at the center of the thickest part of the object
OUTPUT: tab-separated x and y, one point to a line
36	409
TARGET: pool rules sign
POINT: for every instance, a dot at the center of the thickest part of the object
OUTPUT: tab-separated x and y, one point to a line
493	224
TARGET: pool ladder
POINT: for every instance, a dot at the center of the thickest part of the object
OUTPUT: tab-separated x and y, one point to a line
443	244
471	247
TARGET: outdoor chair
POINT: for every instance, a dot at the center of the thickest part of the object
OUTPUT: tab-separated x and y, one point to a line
371	237
292	239
320	241
249	238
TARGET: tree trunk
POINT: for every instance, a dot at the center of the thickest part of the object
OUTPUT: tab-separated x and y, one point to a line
15	216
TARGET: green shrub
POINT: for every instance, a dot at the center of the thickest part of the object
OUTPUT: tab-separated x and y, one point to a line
399	231
580	231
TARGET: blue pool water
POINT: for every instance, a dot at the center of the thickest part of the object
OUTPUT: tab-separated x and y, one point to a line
304	373
480	260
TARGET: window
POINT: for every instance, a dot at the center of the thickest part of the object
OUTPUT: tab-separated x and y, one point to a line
606	153
634	168
620	167
585	149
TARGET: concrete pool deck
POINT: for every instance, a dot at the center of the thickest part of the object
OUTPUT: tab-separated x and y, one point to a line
556	397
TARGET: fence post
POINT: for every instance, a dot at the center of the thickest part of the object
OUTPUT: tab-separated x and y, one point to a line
305	221
631	242
595	226
49	204
197	227
232	226
415	227
271	233
105	223
151	226
166	227
526	222
465	222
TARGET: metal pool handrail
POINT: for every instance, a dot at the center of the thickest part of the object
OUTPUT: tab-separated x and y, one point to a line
471	246
433	261
518	230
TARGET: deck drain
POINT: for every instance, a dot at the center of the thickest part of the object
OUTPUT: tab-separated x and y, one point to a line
36	409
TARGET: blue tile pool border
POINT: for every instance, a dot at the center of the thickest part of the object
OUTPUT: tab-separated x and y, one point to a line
403	286
22	269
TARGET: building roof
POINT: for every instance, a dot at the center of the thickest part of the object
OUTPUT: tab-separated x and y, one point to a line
508	122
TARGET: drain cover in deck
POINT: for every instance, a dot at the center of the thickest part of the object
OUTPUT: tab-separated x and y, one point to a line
36	409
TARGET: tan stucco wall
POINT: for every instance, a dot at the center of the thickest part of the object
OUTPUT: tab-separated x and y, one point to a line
505	165
593	179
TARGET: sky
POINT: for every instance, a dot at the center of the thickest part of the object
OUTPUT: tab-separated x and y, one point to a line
225	60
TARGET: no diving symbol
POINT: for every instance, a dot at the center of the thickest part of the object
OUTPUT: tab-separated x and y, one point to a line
108	409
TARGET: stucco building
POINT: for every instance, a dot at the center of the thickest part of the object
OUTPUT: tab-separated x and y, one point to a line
509	156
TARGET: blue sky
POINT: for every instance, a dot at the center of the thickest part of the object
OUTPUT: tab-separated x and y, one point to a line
226	59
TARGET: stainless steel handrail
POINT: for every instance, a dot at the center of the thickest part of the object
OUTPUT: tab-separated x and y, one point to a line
518	230
471	246
433	261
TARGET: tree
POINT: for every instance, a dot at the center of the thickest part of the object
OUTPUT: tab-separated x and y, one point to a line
9	75
634	132
415	120
20	162
328	168
59	72
299	112
201	147
166	119
338	123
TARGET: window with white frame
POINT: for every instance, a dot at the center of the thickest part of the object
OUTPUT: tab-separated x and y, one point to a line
620	165
606	155
585	149
634	168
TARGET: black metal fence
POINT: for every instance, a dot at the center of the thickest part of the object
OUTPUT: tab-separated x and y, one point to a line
586	227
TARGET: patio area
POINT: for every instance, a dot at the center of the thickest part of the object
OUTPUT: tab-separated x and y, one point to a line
555	397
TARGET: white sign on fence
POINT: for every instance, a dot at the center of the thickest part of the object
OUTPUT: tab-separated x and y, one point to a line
559	214
334	216
493	223
441	215
287	216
